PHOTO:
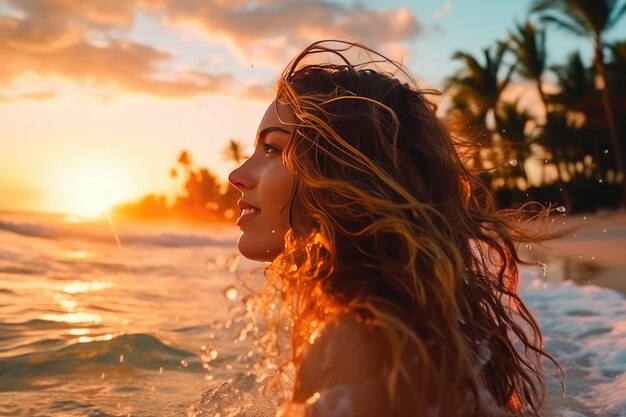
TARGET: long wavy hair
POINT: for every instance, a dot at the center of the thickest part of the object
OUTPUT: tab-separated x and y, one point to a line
388	224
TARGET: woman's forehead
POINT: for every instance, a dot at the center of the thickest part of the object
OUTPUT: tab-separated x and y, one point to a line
277	115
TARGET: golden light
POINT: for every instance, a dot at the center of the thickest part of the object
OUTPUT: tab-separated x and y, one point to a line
90	187
73	318
78	287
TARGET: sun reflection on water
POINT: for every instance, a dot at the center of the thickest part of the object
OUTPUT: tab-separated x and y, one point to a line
78	287
79	331
74	318
87	339
76	254
68	305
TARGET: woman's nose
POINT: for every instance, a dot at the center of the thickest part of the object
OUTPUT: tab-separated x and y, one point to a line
240	178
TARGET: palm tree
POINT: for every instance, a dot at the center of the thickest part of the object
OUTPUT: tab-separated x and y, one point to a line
468	122
529	46
590	19
184	160
575	83
513	134
475	91
234	151
578	97
479	83
616	67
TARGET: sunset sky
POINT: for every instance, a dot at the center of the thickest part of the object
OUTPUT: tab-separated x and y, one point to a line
98	97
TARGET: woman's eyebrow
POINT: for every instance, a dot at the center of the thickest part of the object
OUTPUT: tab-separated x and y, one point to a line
264	132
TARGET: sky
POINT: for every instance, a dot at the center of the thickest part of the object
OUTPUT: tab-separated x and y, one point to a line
98	97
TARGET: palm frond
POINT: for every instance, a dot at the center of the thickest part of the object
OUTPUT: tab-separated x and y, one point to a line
616	16
565	24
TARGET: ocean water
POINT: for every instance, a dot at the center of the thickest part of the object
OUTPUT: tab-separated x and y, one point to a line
103	319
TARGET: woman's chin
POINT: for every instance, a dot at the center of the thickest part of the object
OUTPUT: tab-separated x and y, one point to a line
257	250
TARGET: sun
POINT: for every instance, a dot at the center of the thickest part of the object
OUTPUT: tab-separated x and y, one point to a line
90	187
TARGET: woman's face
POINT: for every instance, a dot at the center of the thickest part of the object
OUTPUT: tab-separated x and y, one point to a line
266	187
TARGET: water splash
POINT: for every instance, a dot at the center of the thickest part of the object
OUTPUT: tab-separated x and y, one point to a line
230	293
231	262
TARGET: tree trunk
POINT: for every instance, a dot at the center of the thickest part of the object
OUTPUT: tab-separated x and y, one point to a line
618	156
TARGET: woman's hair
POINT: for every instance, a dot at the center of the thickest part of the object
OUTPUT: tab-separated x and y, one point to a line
388	224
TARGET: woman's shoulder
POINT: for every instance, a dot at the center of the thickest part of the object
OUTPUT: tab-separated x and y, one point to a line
348	351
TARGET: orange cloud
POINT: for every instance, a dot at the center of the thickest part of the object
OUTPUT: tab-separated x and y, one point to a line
50	39
56	38
124	65
274	29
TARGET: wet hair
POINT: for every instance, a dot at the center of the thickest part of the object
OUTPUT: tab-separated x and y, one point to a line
388	224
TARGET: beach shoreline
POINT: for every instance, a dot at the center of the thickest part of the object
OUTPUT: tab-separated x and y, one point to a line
593	253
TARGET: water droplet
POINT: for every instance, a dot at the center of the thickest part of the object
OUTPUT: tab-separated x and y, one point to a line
183	363
606	151
513	162
230	293
213	354
160	370
209	264
584	218
545	161
102	376
529	246
231	262
543	267
604	230
121	358
593	258
273	231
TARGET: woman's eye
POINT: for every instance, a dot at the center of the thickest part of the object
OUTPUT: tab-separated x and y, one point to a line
268	149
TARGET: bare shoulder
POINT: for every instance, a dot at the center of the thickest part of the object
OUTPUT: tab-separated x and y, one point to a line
347	352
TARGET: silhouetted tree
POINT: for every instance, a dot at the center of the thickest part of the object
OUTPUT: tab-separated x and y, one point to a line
234	151
479	83
591	19
529	46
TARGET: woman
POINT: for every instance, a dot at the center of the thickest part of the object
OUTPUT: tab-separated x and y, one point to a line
396	273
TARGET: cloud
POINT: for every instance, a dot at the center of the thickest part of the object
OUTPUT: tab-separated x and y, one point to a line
443	11
84	40
274	29
63	50
33	96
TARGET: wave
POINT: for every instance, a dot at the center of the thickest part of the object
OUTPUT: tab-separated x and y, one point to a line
25	229
101	232
139	351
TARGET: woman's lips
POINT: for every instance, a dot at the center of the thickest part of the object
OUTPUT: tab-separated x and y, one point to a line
247	214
